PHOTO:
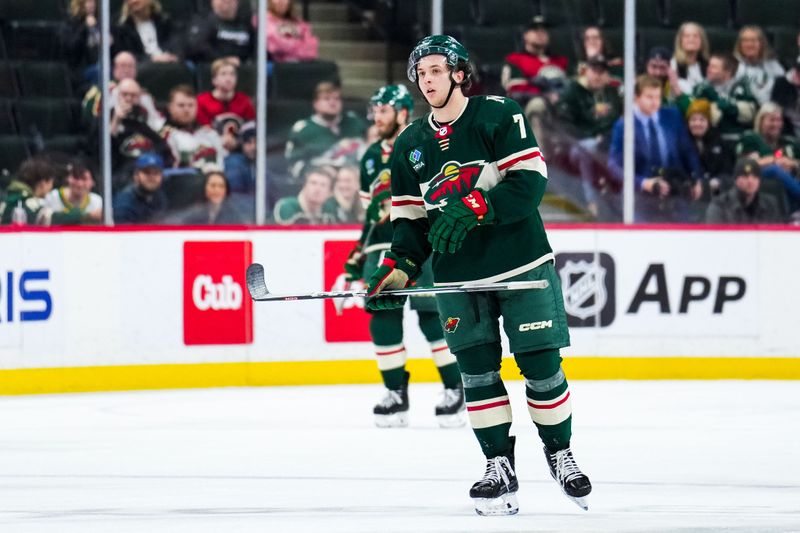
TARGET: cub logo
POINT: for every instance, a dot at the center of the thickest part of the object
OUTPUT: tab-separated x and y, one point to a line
451	324
454	180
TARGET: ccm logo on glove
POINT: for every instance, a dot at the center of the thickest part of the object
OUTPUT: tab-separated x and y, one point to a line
476	203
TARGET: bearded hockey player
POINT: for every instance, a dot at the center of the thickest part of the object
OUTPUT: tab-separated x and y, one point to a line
467	179
390	108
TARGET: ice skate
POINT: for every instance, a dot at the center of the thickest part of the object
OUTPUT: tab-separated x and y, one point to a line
574	483
450	410
496	493
392	410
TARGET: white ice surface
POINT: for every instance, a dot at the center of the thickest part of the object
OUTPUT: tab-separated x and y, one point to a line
663	456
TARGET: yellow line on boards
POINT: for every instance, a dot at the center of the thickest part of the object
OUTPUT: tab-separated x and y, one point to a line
178	376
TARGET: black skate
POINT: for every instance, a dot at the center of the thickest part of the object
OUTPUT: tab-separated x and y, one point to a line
392	410
450	410
574	483
496	493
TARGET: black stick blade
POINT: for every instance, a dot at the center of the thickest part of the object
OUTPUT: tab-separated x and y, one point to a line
255	282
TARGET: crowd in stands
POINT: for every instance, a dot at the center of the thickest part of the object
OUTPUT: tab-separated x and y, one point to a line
698	110
716	128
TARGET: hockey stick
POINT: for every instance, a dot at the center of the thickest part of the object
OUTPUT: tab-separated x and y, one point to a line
259	292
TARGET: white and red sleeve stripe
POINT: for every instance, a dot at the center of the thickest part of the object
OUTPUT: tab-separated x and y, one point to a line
411	207
530	159
550	412
490	412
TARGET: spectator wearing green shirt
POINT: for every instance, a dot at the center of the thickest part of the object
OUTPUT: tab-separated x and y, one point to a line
314	204
777	154
733	105
588	108
312	138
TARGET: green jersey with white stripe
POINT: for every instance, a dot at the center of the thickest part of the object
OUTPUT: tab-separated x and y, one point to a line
489	146
376	179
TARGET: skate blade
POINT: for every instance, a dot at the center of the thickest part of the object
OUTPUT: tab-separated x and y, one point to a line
504	505
580	502
451	421
396	420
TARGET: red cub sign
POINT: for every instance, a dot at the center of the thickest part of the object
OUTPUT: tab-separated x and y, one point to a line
345	319
216	306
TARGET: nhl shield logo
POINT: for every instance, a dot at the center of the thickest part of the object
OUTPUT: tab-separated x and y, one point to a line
581	281
588	284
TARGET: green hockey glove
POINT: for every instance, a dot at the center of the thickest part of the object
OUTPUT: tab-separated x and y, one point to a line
393	273
449	231
354	266
376	210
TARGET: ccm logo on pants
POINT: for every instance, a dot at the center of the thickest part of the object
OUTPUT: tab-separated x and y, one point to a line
536	325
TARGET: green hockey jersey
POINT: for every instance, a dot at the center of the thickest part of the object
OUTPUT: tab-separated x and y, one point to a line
753	142
376	179
311	138
294	210
489	146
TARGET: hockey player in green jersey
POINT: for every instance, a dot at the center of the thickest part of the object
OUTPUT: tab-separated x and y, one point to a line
467	179
391	107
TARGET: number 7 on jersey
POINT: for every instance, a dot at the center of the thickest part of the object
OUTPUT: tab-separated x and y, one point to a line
519	119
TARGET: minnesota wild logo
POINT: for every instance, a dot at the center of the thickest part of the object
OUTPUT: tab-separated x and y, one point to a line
451	324
454	180
382	183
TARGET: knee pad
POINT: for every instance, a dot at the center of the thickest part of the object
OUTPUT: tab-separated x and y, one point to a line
480	365
541	369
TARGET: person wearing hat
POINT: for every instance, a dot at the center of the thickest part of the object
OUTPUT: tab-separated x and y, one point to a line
143	200
716	159
588	109
744	203
467	180
733	106
657	66
240	166
534	72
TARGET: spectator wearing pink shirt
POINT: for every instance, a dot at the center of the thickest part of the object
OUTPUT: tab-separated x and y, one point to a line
289	38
